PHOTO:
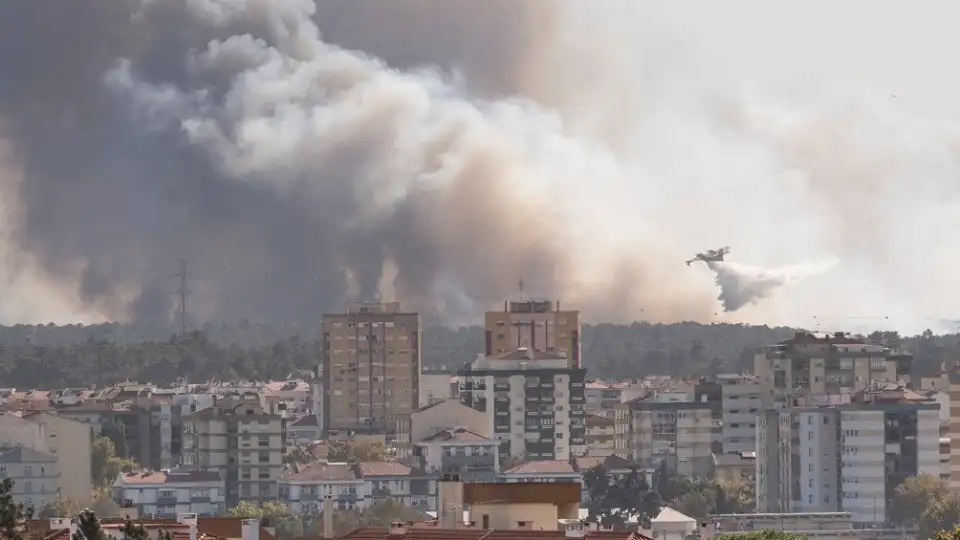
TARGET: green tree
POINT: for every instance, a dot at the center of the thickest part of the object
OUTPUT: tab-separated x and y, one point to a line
915	495
351	451
613	501
134	531
12	514
386	511
105	465
300	455
941	515
88	527
270	510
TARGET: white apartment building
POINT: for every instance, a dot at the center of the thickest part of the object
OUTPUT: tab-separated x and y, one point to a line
35	475
739	404
164	494
848	457
533	402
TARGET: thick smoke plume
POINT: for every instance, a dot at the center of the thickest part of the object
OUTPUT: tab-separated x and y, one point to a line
304	153
741	285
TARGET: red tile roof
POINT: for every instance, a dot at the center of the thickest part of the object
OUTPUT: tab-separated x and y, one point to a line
386	468
172	477
459	435
325	471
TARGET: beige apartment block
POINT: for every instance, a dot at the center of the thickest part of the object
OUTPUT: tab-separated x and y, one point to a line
70	442
677	436
810	364
370	371
242	442
537	325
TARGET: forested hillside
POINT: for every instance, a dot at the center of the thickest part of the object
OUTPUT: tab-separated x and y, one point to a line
73	355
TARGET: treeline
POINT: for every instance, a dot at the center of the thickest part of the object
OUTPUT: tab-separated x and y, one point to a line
45	356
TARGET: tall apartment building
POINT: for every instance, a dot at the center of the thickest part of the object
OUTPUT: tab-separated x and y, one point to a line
678	436
538	325
534	402
739	403
370	370
809	364
242	442
844	458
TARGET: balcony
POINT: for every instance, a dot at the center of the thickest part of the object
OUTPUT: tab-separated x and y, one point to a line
166	501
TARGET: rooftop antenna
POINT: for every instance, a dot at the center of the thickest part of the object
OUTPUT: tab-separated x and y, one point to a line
520	284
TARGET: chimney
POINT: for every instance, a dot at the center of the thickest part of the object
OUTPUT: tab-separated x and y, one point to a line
250	529
398	528
450	501
189	520
328	517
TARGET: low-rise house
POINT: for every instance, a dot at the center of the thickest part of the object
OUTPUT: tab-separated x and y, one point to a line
542	472
399	482
303	491
471	456
165	494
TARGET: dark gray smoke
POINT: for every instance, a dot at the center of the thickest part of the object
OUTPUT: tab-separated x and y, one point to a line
296	174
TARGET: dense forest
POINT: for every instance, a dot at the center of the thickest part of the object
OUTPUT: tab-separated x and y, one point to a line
50	356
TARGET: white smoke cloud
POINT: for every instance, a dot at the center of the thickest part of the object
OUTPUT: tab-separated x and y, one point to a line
742	284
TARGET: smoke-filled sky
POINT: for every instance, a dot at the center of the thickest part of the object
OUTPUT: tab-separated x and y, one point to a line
305	153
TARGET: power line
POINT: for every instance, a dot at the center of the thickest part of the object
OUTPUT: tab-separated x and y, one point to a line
182	292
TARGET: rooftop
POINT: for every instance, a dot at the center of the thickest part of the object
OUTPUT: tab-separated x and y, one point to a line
456	435
167	477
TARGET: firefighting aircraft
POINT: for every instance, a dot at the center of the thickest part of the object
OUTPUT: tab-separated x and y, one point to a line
712	255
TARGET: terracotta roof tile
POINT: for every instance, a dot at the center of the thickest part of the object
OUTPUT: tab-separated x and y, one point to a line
386	468
326	471
459	435
172	477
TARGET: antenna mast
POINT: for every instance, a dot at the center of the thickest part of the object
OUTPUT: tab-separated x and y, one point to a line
520	284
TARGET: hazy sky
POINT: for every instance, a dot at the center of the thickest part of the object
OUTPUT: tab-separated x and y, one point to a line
439	151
